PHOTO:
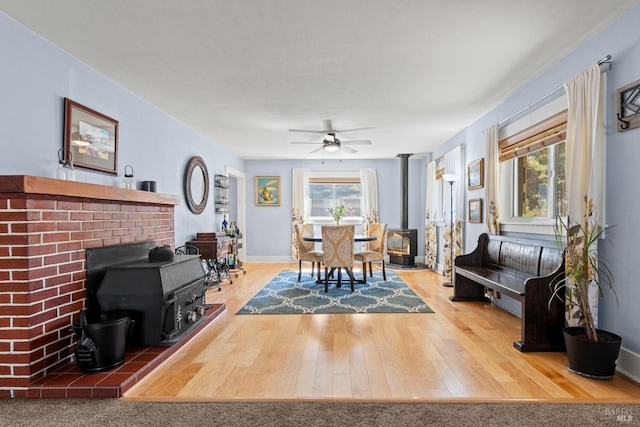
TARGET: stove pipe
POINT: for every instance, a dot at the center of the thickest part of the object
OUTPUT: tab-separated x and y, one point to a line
404	179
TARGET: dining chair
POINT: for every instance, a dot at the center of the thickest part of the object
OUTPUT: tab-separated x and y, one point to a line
376	250
306	250
337	249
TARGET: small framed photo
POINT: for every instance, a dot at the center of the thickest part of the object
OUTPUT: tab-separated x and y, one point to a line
475	174
267	191
90	138
475	210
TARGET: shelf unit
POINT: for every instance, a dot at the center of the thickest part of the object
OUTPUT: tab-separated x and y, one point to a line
221	184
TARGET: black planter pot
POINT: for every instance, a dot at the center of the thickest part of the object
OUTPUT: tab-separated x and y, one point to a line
592	359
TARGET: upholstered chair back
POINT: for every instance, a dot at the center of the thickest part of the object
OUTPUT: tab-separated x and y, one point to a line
337	245
379	231
304	246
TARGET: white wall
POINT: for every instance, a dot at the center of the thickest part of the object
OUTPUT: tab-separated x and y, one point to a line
35	77
269	228
621	40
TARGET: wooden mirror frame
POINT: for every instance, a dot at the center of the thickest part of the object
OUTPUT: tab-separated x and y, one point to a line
196	207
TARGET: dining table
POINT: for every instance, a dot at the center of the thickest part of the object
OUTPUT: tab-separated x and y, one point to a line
357	238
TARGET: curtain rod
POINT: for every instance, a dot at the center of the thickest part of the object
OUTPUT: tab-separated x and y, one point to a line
605	60
461	145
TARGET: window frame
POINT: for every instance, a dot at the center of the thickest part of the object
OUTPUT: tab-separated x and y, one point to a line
337	177
528	126
552	186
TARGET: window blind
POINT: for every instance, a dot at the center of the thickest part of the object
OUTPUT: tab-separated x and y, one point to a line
548	132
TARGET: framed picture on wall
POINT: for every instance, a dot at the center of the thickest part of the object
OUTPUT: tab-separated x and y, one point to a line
90	138
475	174
475	210
266	190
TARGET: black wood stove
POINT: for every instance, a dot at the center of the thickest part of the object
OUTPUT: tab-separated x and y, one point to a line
166	299
402	243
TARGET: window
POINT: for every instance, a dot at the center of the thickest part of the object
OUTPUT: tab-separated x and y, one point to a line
540	183
535	161
328	191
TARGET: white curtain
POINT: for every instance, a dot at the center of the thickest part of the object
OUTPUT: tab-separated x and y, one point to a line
454	163
369	185
492	187
431	214
585	162
299	204
369	200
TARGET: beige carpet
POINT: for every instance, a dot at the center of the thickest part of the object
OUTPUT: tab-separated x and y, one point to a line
113	412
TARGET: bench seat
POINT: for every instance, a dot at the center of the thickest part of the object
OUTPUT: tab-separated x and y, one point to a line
524	270
505	280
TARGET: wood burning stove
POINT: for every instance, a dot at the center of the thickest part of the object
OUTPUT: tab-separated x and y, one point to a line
402	246
166	299
402	243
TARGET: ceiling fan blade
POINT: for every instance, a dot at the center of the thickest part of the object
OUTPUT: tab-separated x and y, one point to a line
316	150
307	131
357	142
305	142
327	125
351	130
348	149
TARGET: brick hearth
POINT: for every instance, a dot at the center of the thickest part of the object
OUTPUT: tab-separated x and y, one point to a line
69	381
45	226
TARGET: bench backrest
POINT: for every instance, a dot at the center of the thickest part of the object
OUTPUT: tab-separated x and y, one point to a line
535	257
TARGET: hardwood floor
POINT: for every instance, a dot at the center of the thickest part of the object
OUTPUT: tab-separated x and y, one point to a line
462	352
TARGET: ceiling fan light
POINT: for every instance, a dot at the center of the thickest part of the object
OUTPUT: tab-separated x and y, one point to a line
331	148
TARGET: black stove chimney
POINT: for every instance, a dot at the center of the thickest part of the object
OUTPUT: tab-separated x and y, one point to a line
402	243
404	180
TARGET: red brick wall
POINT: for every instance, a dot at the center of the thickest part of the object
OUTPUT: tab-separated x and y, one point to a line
42	273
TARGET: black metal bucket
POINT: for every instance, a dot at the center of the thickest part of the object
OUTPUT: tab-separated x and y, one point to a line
101	345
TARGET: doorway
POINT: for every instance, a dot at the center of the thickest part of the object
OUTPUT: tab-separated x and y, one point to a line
237	180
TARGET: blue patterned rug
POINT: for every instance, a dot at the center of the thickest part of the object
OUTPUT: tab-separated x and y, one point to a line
285	295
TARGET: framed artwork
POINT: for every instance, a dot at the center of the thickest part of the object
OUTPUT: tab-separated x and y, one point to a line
475	210
90	138
475	174
266	190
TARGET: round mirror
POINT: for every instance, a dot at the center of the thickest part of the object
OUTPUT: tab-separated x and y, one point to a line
196	184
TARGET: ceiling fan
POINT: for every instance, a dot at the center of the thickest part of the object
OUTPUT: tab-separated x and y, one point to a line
330	142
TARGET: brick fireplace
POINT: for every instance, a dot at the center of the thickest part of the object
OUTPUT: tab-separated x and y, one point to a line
45	226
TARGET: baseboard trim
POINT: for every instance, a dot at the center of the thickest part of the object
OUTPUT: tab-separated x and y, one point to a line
284	258
629	364
270	259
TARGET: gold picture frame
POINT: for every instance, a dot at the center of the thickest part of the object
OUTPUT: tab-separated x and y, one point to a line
266	191
475	174
475	211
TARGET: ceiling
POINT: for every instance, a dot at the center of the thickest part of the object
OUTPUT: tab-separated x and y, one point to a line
243	72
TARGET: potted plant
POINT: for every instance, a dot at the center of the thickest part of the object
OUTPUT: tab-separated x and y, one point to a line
337	212
592	352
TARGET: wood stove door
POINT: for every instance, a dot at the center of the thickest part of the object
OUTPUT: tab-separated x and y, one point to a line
172	317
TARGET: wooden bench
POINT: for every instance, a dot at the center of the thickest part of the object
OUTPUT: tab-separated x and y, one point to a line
524	270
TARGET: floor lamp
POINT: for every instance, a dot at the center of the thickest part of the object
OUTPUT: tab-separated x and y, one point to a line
450	178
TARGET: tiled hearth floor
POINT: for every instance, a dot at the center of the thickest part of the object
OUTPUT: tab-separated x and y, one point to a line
69	381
